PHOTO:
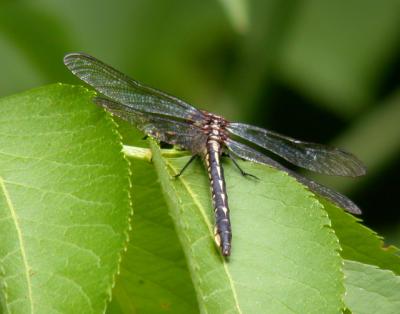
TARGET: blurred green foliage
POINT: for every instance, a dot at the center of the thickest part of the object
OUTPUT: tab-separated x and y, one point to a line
316	70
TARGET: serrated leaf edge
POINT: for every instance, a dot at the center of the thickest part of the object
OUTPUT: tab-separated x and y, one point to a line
311	196
328	225
324	214
114	129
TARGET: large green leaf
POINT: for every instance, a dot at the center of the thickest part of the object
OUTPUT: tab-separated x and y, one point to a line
64	209
370	290
360	243
154	277
285	257
64	202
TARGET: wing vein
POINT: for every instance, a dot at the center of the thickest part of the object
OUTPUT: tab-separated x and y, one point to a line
312	156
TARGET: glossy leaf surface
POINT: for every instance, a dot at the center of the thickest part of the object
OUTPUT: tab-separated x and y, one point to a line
64	202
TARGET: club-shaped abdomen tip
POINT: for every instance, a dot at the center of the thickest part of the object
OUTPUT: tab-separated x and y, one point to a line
224	246
226	250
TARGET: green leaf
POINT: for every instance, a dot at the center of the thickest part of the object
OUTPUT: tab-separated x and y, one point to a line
64	202
360	243
64	216
284	258
154	276
370	289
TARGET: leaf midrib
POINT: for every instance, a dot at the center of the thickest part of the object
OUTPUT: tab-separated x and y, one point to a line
210	228
15	219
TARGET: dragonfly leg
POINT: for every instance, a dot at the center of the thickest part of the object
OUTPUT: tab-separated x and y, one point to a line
242	172
185	166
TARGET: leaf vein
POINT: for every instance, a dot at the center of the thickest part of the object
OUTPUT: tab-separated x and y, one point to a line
210	228
20	240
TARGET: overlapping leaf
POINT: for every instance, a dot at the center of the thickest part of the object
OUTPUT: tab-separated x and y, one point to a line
370	289
64	210
64	202
154	277
284	258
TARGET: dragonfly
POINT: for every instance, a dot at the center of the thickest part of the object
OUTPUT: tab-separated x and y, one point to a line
171	120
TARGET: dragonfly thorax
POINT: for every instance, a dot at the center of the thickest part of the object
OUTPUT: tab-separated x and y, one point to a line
215	128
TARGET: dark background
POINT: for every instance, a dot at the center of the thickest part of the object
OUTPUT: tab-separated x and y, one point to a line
323	71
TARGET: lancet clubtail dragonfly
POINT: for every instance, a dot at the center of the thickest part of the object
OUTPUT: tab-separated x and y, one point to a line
204	134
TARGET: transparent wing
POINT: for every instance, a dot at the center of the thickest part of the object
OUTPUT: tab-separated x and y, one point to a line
120	88
251	154
315	157
162	128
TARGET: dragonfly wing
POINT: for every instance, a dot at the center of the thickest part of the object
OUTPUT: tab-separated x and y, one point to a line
170	131
120	88
315	157
248	153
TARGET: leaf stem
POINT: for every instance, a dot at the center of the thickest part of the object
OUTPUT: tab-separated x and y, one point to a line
146	154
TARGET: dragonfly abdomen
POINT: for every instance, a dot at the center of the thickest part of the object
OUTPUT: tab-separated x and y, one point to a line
222	232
